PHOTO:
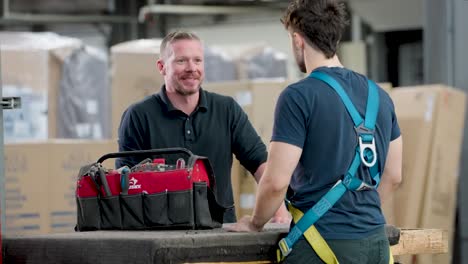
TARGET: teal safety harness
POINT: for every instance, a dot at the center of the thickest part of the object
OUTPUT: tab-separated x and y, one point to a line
365	153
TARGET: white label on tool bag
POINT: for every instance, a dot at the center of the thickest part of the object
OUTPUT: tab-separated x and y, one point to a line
244	98
247	200
132	184
429	108
91	107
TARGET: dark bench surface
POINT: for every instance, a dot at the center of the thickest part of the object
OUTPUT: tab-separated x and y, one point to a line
102	247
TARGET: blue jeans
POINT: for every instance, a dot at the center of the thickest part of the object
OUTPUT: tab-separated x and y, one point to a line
373	249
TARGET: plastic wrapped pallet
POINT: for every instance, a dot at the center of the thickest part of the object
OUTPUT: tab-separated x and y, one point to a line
251	61
84	99
56	75
265	63
219	66
134	75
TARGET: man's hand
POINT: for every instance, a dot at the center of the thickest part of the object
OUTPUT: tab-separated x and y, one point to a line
282	216
243	225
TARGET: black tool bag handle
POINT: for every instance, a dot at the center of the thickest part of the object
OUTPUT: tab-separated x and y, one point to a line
146	153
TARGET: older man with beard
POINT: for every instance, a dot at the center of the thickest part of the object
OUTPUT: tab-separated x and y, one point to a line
184	115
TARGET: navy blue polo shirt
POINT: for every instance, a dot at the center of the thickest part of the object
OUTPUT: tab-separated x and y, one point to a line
310	114
216	129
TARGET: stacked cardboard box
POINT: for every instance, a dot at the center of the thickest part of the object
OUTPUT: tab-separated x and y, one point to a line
431	119
134	75
41	182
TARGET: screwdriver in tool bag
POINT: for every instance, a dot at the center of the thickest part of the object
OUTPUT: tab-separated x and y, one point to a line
124	184
102	176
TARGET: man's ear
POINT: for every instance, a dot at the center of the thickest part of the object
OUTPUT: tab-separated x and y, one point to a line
161	68
298	40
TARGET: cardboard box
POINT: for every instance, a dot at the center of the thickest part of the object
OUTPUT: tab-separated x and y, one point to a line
134	75
41	180
236	171
257	98
26	185
248	190
353	55
33	62
440	200
414	109
431	119
387	86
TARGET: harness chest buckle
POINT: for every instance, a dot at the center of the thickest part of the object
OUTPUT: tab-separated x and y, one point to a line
366	142
365	146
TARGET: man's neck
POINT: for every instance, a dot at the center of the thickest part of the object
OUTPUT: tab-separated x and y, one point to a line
314	60
185	103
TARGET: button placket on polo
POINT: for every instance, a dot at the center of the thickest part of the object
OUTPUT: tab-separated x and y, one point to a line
188	129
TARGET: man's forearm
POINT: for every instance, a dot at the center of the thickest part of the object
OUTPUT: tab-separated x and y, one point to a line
268	203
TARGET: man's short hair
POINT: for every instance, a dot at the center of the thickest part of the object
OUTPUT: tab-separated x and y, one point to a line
173	37
320	22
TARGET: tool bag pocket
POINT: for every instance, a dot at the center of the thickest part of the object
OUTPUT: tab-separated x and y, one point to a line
87	210
208	213
111	217
172	209
155	209
132	211
180	208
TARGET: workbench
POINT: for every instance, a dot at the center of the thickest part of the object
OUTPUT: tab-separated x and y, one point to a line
179	246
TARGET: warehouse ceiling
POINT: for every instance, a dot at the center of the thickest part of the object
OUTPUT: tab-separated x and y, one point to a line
381	15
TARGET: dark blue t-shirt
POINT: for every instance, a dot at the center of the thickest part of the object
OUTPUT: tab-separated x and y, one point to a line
310	114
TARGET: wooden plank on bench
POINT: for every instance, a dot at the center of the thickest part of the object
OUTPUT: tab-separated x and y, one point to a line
421	241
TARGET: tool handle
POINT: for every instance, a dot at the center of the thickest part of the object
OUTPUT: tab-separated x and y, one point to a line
393	234
145	153
105	184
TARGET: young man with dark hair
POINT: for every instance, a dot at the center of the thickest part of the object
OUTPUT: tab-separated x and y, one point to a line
183	115
335	134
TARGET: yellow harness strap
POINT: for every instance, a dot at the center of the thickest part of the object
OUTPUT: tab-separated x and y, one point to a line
316	241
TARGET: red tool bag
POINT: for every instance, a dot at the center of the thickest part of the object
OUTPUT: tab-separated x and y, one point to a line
150	195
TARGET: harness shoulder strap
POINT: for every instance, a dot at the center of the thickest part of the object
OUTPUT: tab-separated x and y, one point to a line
364	129
357	119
